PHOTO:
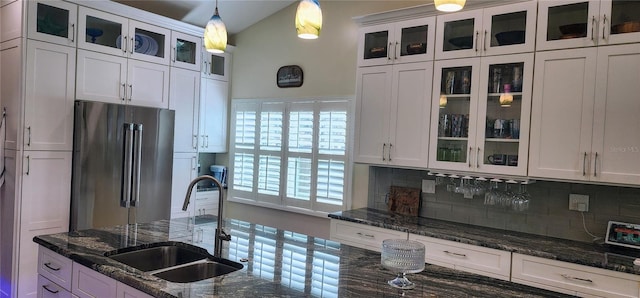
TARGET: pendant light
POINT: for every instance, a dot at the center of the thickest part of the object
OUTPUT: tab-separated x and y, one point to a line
449	5
308	19
215	34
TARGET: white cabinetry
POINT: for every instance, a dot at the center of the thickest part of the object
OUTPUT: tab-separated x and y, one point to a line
125	291
52	21
185	169
55	268
504	29
580	23
88	283
573	279
206	202
49	99
581	123
360	235
185	51
399	42
471	258
113	79
216	66
185	100
214	102
392	114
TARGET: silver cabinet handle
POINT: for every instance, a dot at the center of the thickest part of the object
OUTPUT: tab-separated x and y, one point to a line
125	194
477	33
595	165
478	157
384	145
484	40
469	156
395	52
48	265
29	136
73	32
175	54
604	25
567	276
390	145
389	51
366	235
455	254
202	141
135	198
133	45
46	287
124	44
593	26
124	92
584	164
130	92
195	142
193	163
207	138
28	164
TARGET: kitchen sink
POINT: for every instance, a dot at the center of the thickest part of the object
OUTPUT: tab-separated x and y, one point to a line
199	271
159	255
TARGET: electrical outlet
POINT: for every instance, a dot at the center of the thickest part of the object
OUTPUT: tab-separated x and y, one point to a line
579	202
429	186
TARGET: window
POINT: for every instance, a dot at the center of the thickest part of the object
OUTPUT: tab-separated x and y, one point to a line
290	154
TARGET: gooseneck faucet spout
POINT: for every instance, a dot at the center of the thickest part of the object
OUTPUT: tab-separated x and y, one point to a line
220	233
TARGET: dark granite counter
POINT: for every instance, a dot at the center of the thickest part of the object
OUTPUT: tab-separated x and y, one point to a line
280	264
594	255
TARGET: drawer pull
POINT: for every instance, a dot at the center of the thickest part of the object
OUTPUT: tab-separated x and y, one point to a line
567	276
48	265
366	235
46	287
455	254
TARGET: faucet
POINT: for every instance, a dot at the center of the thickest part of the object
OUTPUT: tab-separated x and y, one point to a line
220	233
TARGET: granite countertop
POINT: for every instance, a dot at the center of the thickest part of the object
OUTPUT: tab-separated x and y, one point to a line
280	264
597	255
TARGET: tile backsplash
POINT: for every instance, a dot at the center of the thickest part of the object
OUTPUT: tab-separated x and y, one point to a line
548	213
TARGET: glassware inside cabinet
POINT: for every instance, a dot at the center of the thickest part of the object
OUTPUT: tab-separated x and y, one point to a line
504	105
453	121
413	40
149	43
375	44
103	32
625	17
508	29
568	21
186	51
458	35
52	20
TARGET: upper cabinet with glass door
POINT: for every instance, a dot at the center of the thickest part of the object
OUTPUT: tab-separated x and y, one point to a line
496	30
185	50
400	42
216	66
53	21
116	35
572	24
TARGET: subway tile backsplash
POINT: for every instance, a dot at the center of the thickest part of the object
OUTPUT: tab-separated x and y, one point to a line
548	213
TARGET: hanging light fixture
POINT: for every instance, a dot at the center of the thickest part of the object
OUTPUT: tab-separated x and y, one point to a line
215	34
449	5
308	19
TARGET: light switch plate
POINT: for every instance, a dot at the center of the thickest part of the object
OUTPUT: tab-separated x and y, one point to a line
429	186
579	202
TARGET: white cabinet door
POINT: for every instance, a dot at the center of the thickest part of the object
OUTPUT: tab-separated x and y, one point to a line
216	66
459	35
361	235
10	78
55	267
509	29
148	84
207	202
52	21
185	169
101	77
88	283
10	20
616	144
49	96
103	32
185	51
184	98
48	289
410	109
213	116
375	45
567	24
125	291
46	192
562	114
617	19
149	43
373	96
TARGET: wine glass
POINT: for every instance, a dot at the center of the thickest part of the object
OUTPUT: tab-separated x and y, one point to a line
402	256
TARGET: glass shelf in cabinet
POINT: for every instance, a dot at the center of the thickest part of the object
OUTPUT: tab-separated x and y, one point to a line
453	139
516	95
462	96
501	140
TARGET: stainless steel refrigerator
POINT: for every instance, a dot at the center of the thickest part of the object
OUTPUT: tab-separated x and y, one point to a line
122	162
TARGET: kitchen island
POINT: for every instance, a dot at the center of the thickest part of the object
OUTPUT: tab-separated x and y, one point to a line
276	263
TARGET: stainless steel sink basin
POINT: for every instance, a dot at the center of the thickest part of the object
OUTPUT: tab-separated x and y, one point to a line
199	271
159	256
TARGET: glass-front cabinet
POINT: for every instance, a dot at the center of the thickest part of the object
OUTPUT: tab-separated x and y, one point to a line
480	114
185	50
116	35
53	21
492	31
400	42
570	24
216	66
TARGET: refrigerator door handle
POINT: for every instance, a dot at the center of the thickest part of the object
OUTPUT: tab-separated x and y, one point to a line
125	196
137	143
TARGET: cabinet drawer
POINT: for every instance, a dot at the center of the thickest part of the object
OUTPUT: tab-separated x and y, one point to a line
49	289
88	283
475	259
363	236
55	267
572	278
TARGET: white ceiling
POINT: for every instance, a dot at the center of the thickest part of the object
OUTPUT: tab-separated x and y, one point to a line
237	15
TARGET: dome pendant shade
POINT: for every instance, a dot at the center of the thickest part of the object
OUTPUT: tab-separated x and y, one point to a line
215	34
308	19
449	5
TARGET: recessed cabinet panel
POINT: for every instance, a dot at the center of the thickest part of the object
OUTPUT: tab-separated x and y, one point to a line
184	98
53	21
101	77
